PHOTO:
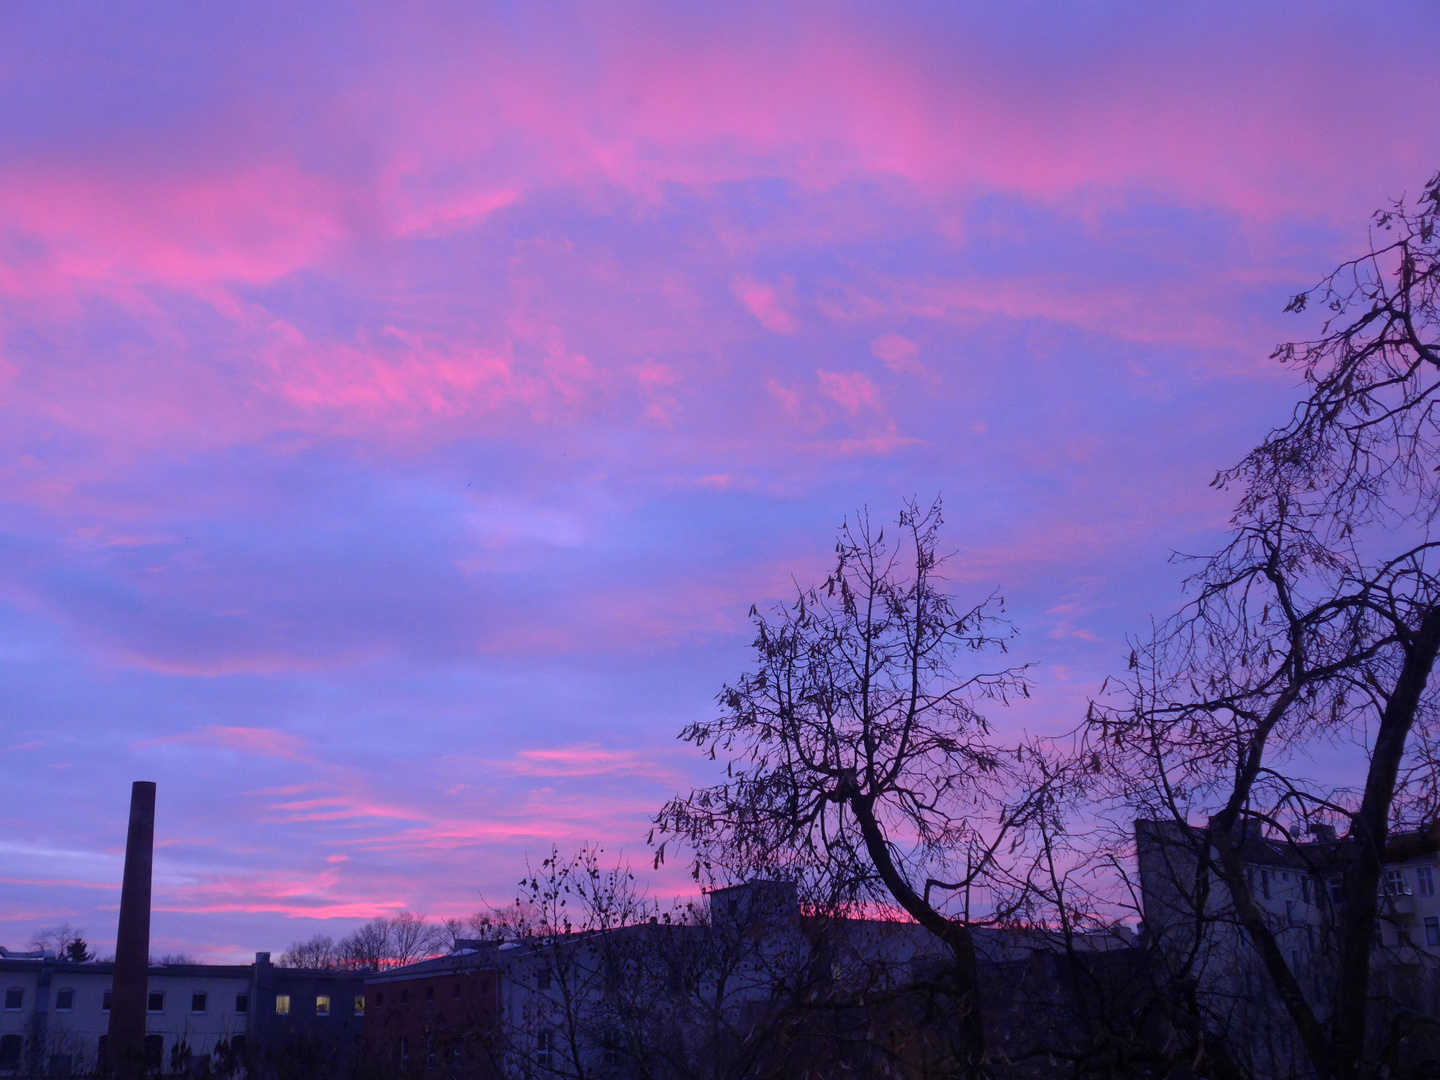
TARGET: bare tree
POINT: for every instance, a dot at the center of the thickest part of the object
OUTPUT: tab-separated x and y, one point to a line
317	953
858	760
59	940
413	937
1316	627
369	947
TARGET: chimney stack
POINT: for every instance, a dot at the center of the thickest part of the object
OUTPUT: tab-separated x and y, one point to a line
125	1046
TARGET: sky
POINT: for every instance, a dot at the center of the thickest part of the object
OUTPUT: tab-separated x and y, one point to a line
401	406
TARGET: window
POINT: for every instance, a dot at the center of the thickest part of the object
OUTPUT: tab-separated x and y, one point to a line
198	1002
1402	935
1379	932
155	1002
105	1002
404	997
456	991
10	1051
1284	877
1305	888
542	979
404	1051
14	999
1289	911
611	1048
379	998
282	1004
1425	880
1395	883
242	1003
1432	930
64	1000
543	1048
1337	889
154	1053
429	993
322	1005
1265	883
359	1004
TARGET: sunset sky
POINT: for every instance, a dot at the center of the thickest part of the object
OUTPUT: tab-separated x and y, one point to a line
401	406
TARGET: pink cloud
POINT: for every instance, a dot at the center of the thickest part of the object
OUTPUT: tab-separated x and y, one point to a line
898	353
256	742
852	392
768	303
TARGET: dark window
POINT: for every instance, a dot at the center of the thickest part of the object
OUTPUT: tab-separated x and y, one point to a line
237	1045
105	1001
404	1051
198	1002
1432	930
1425	880
404	997
379	998
429	993
14	998
1337	889
1402	935
542	1048
156	1002
64	1000
456	988
10	1051
242	1003
1305	888
1265	883
154	1051
102	1056
542	979
611	1047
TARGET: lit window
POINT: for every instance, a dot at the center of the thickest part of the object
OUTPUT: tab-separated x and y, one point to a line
14	999
155	1003
359	1004
322	1005
64	1000
282	1004
1425	880
1432	930
198	1002
242	1003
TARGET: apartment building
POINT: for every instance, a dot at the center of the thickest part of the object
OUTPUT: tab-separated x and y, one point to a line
201	1018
